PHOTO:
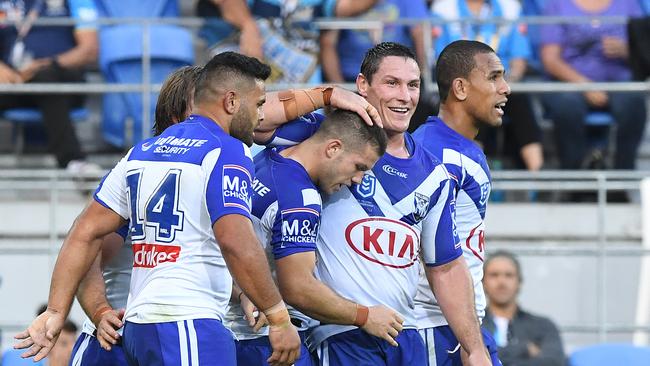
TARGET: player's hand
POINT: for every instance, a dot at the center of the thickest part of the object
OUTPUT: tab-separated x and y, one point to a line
345	99
383	322
615	47
256	319
41	335
107	327
9	75
478	358
284	340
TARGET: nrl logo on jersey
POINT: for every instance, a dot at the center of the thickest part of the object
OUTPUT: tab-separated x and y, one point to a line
367	187
421	206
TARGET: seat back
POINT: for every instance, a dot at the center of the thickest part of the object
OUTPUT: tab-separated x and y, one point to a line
137	9
120	60
611	354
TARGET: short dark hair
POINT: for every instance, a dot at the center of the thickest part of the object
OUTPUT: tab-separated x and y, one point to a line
174	100
70	326
376	55
232	69
507	255
457	61
352	130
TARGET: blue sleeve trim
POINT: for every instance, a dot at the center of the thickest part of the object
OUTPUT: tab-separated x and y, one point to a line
290	251
231	212
448	260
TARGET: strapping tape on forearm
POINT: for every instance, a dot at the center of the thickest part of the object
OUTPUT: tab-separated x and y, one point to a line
299	102
277	314
362	316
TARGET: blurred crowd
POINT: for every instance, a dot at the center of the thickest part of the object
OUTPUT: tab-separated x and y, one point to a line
283	34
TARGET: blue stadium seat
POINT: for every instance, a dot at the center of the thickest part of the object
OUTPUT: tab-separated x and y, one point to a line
611	354
137	9
120	60
22	117
11	357
597	118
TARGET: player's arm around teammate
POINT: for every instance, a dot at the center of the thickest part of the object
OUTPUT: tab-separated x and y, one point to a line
287	105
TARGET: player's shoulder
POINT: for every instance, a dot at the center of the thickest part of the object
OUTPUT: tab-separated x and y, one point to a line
286	177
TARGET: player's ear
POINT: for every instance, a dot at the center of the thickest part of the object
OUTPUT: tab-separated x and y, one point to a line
362	85
459	88
333	148
231	102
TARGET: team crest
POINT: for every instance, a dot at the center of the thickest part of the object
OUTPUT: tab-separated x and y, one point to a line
485	193
421	206
367	187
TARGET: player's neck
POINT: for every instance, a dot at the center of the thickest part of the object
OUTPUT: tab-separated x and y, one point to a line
458	120
219	118
507	311
303	155
397	145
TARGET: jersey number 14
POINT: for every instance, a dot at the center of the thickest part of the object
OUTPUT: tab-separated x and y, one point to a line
161	210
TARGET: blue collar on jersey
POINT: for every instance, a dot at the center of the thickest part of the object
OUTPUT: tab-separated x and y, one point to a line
206	122
443	125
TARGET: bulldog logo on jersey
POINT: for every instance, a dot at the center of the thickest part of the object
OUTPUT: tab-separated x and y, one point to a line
421	206
485	193
367	187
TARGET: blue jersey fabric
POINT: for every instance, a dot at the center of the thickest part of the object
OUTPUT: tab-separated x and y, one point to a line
508	40
283	191
293	132
187	342
353	44
358	348
45	41
444	143
88	352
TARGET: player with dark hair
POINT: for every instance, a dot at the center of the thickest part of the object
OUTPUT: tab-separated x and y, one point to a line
473	92
286	210
186	195
373	233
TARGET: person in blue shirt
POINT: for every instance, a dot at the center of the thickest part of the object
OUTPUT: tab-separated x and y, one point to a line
49	54
522	134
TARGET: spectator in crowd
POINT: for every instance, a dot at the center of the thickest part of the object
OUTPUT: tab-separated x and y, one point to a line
522	134
581	52
341	51
49	54
287	39
523	339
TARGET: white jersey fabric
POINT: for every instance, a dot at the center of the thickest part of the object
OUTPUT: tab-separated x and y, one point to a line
172	189
468	168
373	234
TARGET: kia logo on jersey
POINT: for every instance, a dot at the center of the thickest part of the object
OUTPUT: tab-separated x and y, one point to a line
392	171
384	241
151	255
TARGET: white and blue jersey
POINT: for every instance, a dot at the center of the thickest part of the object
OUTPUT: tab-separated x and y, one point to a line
468	167
286	215
296	131
173	188
373	234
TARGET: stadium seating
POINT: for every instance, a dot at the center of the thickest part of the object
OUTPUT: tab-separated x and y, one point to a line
137	9
22	117
611	354
120	60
